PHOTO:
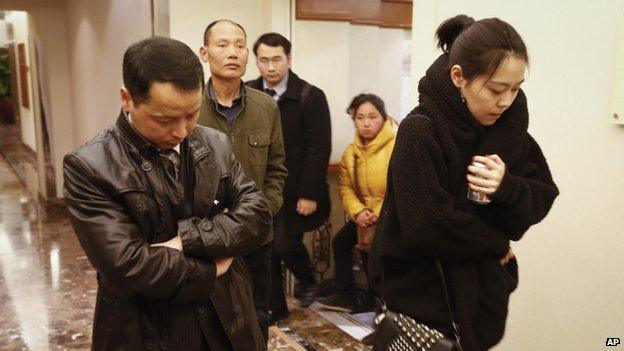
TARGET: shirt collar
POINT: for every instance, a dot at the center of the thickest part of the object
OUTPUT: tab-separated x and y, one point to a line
213	95
175	148
280	88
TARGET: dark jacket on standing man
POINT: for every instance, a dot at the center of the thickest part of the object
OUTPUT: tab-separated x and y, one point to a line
306	129
119	205
426	214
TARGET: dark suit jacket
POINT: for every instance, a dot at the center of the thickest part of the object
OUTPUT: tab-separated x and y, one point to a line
306	128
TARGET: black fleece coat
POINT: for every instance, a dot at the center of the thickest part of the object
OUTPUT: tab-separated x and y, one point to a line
426	213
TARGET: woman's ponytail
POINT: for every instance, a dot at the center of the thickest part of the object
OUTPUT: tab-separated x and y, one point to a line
450	29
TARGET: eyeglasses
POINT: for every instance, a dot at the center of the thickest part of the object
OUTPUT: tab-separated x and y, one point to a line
276	61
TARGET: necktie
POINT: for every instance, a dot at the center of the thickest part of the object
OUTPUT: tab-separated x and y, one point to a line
271	92
171	156
173	187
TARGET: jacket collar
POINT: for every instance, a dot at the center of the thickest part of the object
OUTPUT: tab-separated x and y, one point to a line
132	136
279	88
208	91
295	84
256	83
293	89
197	149
385	135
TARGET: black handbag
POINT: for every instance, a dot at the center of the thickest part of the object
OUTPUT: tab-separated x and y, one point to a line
398	332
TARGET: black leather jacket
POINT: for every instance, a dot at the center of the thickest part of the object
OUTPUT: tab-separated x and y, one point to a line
114	192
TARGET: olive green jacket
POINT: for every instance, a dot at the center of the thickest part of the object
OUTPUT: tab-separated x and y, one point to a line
256	138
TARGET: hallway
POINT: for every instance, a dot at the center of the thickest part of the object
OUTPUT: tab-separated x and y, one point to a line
48	287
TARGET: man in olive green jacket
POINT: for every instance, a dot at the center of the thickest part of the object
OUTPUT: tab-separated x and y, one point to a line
251	120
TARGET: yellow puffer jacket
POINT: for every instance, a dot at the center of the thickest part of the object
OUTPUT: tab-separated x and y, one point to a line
363	170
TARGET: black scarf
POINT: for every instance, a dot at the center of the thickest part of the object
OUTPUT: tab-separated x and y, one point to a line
440	100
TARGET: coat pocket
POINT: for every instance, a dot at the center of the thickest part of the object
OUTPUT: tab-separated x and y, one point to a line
259	148
510	273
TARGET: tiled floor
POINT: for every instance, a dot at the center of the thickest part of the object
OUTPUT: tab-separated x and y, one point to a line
47	286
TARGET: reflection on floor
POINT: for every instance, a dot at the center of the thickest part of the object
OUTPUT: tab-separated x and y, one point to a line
306	329
19	157
47	286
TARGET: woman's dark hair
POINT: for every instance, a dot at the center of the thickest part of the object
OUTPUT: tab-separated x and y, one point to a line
273	39
162	60
359	100
479	47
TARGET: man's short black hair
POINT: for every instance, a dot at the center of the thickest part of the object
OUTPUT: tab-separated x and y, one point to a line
162	60
273	39
207	31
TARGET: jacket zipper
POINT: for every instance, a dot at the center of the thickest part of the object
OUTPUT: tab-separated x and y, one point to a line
366	175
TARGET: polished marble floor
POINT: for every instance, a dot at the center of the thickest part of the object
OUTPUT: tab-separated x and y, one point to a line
47	286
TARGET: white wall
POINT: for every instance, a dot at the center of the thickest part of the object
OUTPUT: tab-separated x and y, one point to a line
375	56
345	60
19	19
82	50
321	56
3	32
47	25
570	294
98	34
189	18
51	33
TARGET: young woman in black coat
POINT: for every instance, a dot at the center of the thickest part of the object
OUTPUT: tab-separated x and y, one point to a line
471	109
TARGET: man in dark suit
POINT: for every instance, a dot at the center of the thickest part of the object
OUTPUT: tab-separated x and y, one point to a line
306	130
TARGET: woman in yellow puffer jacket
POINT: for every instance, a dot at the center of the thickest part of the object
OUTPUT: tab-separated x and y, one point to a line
362	185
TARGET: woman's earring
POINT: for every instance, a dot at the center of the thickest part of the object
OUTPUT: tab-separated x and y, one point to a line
462	95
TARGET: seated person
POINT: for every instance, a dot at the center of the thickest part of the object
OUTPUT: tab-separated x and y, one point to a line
362	185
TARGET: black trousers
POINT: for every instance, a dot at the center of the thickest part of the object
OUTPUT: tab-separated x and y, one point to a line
258	263
343	243
288	247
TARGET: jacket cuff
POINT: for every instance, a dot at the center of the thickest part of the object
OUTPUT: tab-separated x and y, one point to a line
504	193
199	285
311	194
192	244
498	244
355	209
273	207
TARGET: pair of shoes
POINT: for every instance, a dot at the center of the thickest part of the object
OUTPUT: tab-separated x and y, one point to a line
276	316
309	294
337	302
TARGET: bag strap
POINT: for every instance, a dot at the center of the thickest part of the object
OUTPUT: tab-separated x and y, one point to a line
384	307
305	91
448	305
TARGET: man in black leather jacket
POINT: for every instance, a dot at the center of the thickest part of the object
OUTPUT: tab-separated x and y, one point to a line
164	212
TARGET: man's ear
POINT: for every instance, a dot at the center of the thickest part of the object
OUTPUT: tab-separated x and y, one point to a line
457	76
289	59
203	54
126	98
